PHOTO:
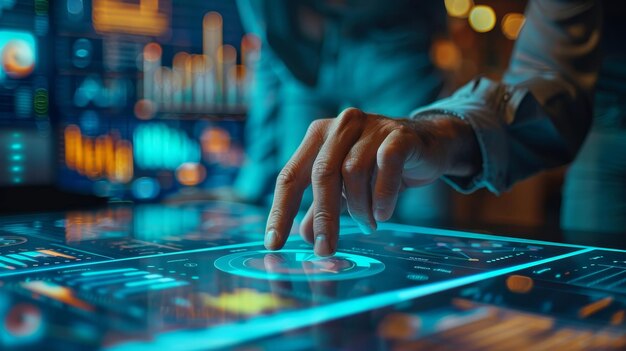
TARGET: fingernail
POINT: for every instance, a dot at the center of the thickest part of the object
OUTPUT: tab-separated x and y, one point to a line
270	237
379	214
322	246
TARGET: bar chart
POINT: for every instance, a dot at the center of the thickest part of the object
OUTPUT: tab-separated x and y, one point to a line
31	256
119	283
198	83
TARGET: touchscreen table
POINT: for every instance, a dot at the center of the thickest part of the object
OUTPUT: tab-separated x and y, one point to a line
196	277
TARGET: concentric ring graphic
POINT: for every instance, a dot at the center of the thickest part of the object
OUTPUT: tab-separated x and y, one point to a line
298	265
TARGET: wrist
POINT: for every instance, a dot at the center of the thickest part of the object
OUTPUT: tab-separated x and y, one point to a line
456	144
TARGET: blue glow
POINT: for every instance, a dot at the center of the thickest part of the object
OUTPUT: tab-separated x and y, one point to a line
146	188
26	37
157	146
152	223
16	146
230	335
90	122
75	7
82	53
358	266
82	264
469	235
16	169
16	157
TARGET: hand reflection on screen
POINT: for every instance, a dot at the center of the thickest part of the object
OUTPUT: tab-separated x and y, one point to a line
320	290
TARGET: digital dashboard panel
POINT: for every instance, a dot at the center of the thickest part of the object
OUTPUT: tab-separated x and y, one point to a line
125	99
26	134
196	276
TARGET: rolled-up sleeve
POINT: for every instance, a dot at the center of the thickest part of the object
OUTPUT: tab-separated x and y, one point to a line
537	117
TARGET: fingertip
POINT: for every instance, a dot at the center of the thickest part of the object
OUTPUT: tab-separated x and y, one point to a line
322	246
271	242
382	215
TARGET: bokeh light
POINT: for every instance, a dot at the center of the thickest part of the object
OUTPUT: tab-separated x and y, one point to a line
215	141
459	8
446	55
512	24
482	18
190	173
519	284
146	188
18	59
144	109
152	52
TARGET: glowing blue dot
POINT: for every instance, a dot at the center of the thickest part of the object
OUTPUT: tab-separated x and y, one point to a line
16	169
146	188
16	146
82	53
16	157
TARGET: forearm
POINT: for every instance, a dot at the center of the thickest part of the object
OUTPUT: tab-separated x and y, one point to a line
538	116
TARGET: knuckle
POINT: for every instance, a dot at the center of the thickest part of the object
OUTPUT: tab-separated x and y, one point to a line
277	214
322	171
388	156
316	127
352	168
350	115
322	216
287	176
402	130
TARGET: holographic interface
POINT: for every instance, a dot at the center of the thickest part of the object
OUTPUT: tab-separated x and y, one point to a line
197	277
123	98
298	265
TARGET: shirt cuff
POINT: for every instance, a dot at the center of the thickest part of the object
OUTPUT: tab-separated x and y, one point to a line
488	107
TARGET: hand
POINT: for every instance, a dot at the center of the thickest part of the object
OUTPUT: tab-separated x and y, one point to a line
370	159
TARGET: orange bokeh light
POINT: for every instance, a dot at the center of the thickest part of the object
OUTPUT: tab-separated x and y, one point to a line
512	24
190	173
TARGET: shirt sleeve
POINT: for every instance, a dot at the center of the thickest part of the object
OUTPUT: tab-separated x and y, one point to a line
537	117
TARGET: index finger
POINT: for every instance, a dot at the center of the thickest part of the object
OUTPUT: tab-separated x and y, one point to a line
327	179
293	179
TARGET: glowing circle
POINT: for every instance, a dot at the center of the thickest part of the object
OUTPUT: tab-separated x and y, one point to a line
11	240
18	59
519	284
298	265
512	24
152	52
446	55
23	320
458	8
190	173
82	53
482	18
146	188
144	109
